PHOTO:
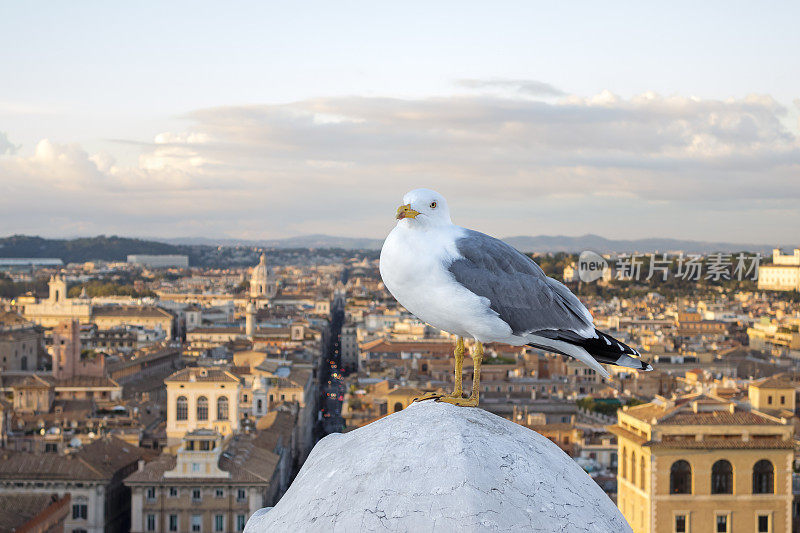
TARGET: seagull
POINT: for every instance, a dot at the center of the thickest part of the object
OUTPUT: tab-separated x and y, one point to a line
475	286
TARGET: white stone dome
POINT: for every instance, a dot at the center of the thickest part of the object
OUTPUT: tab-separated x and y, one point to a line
437	467
260	271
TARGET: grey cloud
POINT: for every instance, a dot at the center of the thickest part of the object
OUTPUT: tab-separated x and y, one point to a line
292	167
530	87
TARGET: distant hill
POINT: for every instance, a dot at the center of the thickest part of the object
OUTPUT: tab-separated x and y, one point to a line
537	244
203	251
86	248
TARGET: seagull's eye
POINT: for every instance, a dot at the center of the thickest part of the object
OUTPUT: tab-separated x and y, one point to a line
433	205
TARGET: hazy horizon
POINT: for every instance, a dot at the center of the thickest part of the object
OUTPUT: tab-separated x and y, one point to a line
185	238
264	121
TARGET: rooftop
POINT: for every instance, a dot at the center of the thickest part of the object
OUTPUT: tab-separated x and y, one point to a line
97	461
697	409
773	382
16	509
244	459
142	311
10	319
193	374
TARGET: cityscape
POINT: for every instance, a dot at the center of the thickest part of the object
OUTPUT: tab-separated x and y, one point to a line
152	395
226	253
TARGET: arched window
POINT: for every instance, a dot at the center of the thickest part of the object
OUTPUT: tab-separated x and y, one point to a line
202	408
763	477
722	477
259	405
680	478
624	463
182	408
641	472
222	408
632	479
398	407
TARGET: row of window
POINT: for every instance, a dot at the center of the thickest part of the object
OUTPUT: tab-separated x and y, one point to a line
197	494
722	523
182	408
629	471
196	522
680	477
783	399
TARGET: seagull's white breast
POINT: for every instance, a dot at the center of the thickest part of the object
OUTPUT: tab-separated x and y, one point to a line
414	267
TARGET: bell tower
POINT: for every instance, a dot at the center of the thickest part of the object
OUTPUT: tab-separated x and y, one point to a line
58	289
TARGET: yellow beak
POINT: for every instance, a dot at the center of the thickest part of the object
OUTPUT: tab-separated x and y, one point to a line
405	211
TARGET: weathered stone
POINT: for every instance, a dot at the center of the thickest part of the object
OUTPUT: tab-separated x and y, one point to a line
437	467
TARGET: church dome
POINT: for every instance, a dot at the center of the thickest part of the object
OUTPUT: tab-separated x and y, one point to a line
438	467
260	271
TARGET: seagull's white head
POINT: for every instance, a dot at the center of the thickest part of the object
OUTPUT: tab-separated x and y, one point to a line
423	207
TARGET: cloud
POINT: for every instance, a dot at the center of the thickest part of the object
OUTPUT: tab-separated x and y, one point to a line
529	87
336	165
6	147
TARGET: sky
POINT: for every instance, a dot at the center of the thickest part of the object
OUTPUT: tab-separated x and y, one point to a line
275	119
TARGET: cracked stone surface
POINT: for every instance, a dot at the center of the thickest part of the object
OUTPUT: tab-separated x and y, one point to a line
438	467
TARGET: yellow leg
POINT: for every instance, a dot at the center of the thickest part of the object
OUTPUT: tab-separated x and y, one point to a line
472	401
459	356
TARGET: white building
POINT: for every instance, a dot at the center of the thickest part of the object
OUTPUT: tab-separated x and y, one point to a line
262	284
571	274
202	398
92	476
783	274
210	485
160	261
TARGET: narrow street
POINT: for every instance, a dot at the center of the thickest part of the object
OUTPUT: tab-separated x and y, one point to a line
331	381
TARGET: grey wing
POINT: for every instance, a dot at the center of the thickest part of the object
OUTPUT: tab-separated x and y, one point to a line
519	291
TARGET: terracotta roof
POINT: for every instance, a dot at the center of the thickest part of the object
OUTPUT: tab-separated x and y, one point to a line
12	319
773	382
275	431
17	509
300	376
718	444
202	374
737	418
271	365
246	462
240	370
18	334
80	410
649	411
86	381
33	382
97	461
